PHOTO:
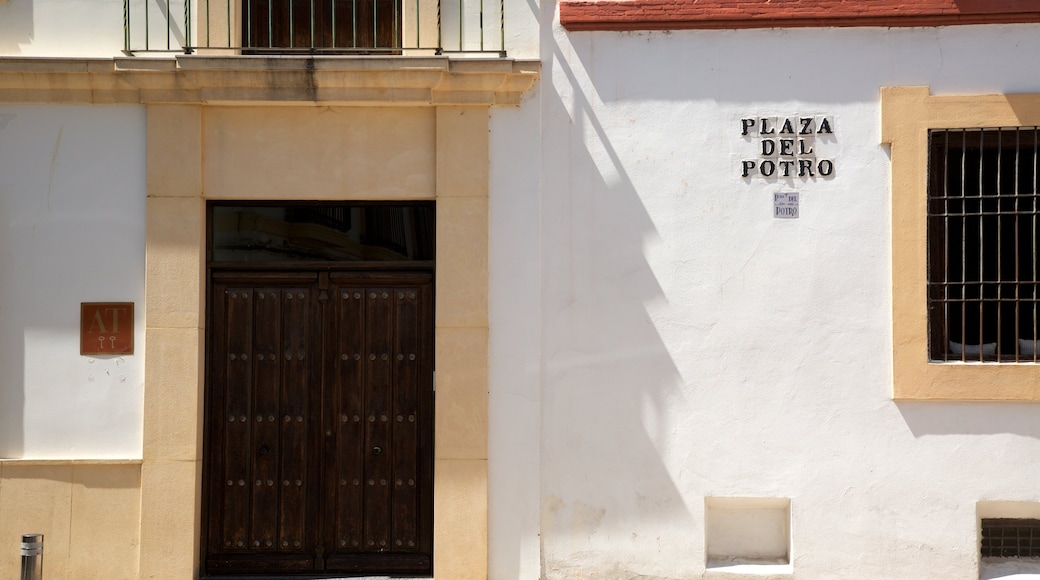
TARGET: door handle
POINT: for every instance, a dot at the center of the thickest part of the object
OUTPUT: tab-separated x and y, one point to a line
377	450
264	450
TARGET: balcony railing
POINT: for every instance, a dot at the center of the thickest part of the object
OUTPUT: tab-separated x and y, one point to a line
358	27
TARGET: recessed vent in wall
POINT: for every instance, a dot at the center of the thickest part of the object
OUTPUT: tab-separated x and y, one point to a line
1010	538
747	531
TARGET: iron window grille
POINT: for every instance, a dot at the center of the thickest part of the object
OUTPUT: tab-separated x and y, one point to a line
983	228
1010	538
309	27
331	26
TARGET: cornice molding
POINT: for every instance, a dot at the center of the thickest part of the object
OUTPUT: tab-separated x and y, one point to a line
243	80
621	15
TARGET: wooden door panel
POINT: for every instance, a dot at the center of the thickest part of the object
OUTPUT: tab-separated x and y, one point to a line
319	424
346	334
376	563
266	426
395	322
238	434
387	319
300	417
376	454
217	419
407	357
258	516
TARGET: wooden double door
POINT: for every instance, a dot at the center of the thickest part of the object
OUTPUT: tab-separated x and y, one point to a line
319	424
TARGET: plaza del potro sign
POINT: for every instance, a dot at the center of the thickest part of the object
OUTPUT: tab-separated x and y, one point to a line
788	146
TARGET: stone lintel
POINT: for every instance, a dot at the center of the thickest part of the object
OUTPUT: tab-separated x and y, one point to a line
329	80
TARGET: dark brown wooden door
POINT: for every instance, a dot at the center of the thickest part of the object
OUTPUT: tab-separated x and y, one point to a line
319	434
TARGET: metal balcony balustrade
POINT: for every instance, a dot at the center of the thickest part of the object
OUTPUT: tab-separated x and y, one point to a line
329	27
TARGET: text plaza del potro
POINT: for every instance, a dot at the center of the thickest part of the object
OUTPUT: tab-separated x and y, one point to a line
787	146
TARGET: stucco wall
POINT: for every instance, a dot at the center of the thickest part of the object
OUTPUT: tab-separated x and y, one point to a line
72	186
84	28
514	304
693	346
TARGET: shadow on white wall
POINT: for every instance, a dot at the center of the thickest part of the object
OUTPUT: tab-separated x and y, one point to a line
610	380
16	26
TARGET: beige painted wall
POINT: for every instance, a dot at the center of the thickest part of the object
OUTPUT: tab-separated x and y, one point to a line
318	153
308	153
88	512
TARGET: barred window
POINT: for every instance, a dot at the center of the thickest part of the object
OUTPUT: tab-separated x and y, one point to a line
983	232
326	26
1010	538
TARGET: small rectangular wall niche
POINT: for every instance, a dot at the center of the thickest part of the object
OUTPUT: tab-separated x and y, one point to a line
742	531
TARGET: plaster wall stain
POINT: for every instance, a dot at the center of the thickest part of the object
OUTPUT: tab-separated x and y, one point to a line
586	519
575	569
579	519
576	523
550	507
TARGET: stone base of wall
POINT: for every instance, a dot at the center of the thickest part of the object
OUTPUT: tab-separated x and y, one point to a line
88	511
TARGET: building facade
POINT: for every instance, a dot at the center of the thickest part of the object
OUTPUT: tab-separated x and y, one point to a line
694	290
207	186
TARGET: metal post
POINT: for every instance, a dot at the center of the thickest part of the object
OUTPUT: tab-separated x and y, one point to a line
32	557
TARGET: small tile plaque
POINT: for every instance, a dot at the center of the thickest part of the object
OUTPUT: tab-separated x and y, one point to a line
785	205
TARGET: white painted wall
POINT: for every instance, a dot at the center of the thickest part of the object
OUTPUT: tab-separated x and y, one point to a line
692	346
72	209
514	306
79	28
522	29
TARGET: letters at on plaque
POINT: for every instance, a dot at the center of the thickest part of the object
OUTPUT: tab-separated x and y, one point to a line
106	328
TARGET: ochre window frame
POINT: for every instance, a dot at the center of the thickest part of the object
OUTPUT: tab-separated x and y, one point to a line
907	114
730	14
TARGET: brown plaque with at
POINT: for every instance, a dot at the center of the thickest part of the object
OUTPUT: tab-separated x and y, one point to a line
106	328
